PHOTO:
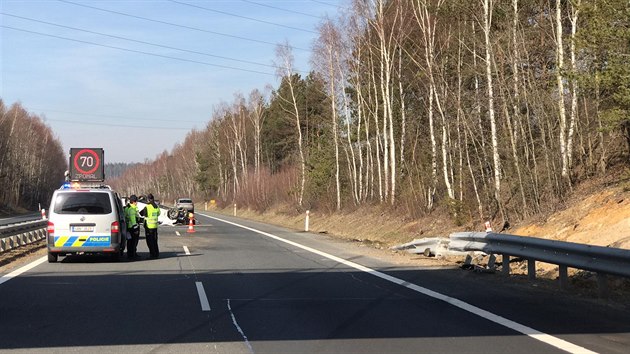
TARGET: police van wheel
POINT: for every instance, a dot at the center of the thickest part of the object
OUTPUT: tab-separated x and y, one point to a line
116	257
52	258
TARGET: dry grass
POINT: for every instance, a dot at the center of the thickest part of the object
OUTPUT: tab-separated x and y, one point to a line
371	225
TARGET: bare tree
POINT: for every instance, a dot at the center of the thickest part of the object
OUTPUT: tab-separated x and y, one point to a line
575	9
285	56
487	21
560	83
257	119
427	24
327	48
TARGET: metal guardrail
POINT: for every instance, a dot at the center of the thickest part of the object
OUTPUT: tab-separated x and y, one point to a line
606	260
21	234
601	260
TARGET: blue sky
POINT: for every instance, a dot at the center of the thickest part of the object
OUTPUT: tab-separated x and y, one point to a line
134	77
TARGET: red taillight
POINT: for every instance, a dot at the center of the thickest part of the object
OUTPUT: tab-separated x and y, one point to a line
115	227
50	228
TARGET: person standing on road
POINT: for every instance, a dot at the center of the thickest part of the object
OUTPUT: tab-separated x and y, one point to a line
133	228
151	213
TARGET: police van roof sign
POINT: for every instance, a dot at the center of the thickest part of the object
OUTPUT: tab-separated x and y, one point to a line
86	164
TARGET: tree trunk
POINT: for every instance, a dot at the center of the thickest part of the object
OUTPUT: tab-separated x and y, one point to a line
560	83
493	126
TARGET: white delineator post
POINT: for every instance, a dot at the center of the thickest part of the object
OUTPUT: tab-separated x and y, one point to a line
488	227
43	214
306	221
234	209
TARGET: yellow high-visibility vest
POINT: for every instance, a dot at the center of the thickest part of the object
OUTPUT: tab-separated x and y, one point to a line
152	216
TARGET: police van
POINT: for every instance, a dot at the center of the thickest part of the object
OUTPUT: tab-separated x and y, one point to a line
85	216
85	220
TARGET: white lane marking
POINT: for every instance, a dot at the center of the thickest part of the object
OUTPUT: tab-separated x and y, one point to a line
5	278
528	331
177	233
240	330
203	299
186	251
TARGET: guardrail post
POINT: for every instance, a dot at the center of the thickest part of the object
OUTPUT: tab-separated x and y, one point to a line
602	285
468	260
492	259
531	269
505	265
563	275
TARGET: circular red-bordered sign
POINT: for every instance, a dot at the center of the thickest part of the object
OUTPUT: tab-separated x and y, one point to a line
97	161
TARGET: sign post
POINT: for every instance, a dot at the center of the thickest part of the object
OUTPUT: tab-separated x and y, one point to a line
86	165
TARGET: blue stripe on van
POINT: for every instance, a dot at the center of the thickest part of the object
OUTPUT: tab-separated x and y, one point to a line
70	241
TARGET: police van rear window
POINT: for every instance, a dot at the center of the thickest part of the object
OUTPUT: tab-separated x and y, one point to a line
82	203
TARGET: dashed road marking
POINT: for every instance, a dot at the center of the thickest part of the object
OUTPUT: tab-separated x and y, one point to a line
203	299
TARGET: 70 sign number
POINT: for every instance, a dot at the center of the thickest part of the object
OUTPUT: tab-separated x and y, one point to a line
86	161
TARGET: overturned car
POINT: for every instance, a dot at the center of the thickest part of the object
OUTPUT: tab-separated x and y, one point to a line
180	215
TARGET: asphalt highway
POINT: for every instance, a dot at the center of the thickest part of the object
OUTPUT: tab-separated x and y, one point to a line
237	286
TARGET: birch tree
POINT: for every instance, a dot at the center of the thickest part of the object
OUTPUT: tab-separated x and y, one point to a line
487	22
427	26
560	84
257	119
327	48
574	6
285	56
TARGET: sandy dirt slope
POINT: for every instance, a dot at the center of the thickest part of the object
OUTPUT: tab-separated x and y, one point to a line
601	219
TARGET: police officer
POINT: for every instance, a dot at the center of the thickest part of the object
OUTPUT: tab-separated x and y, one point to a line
133	228
151	213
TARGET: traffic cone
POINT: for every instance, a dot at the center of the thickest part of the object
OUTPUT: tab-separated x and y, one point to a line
191	223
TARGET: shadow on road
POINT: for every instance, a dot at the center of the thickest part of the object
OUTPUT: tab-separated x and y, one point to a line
82	309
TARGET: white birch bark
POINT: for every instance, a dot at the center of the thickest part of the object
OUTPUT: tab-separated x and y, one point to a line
284	54
256	103
487	19
560	83
389	148
574	84
423	18
333	102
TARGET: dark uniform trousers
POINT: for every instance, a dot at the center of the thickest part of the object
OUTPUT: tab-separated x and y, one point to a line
132	245
152	242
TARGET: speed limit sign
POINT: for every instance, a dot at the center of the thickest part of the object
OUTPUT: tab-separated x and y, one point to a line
86	164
